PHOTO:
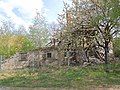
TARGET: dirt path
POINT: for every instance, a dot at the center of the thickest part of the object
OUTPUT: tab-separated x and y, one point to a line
6	88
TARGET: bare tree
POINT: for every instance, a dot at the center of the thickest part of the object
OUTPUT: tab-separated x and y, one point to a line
39	31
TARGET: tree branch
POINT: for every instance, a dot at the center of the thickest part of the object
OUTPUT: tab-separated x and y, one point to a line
99	43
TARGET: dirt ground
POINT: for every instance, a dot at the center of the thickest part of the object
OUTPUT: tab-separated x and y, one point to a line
100	88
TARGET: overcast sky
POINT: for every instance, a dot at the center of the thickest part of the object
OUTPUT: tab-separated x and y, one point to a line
23	11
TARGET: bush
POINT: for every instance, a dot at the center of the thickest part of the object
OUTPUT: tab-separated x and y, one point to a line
116	43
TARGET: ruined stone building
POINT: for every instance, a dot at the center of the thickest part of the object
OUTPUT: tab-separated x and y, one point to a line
75	47
39	57
53	55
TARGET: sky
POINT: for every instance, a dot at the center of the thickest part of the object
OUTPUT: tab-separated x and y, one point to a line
22	12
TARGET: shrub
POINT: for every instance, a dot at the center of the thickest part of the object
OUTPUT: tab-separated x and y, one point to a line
116	44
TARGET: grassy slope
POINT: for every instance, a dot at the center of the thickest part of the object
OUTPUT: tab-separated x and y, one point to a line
64	77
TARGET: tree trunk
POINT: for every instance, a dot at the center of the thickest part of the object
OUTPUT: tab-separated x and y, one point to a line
106	56
106	52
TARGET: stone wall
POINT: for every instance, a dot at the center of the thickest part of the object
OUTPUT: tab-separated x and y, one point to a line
33	59
14	62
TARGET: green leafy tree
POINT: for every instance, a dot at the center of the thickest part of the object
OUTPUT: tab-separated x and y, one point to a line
106	20
6	32
13	40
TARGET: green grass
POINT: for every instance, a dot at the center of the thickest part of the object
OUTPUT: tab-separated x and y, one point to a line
64	77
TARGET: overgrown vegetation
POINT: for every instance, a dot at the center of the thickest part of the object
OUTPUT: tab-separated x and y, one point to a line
22	39
117	47
83	16
64	77
98	20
